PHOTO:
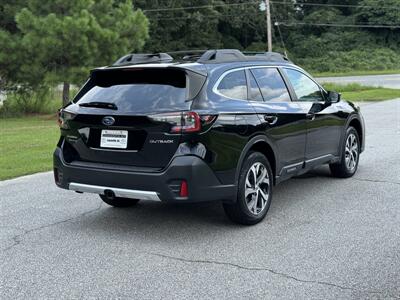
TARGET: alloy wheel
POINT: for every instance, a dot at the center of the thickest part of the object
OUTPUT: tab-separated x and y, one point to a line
351	152
257	188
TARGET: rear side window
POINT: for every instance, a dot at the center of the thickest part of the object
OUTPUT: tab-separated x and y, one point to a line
234	85
272	86
304	87
137	90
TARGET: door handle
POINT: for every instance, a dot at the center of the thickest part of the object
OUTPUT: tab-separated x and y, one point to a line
310	116
270	119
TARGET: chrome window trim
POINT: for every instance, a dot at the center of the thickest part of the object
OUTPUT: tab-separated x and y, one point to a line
215	87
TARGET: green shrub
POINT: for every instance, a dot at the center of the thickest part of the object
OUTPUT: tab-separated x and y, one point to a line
354	60
44	100
352	87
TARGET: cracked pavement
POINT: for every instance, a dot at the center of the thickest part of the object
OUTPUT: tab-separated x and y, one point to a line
323	238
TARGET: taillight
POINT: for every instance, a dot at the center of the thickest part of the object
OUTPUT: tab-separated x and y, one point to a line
63	117
190	122
184	122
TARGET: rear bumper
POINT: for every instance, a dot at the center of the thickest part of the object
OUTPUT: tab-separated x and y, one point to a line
117	192
203	185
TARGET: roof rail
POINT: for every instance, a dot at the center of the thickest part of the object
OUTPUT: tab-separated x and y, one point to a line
187	55
222	55
234	55
270	56
143	58
200	56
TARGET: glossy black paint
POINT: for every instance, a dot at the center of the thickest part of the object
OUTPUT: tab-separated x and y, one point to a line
305	134
294	135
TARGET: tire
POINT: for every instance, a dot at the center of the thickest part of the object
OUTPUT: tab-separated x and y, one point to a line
348	164
251	209
119	202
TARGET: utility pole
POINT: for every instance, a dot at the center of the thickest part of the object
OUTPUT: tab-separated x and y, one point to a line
269	29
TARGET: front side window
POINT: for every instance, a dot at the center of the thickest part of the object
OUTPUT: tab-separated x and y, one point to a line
272	86
304	87
234	85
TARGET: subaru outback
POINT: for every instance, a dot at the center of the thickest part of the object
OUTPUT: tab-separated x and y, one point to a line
218	125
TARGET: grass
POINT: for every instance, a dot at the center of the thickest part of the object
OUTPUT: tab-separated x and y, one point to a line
357	92
27	145
355	73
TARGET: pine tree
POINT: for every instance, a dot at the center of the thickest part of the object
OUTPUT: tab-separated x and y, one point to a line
67	38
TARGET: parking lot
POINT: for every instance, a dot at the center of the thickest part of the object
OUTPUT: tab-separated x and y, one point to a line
323	238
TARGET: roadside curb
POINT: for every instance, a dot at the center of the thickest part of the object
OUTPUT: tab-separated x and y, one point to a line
23	177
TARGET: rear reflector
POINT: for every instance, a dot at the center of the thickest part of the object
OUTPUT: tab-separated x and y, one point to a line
184	192
58	176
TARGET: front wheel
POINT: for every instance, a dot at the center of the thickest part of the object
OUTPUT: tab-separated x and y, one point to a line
254	191
348	164
119	202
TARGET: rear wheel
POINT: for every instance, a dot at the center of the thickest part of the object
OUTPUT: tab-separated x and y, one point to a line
348	164
119	202
254	191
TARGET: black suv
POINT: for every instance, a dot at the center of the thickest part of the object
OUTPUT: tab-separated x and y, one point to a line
221	125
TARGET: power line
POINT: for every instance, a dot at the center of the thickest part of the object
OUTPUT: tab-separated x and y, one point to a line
192	17
292	24
198	7
337	5
274	2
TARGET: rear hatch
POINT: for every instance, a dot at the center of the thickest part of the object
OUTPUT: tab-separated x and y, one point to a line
129	117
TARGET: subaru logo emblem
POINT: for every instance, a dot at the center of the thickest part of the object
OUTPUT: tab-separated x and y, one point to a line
108	121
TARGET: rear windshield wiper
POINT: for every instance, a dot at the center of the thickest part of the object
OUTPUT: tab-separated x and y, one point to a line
105	105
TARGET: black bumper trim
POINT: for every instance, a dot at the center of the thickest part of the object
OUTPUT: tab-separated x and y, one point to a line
202	182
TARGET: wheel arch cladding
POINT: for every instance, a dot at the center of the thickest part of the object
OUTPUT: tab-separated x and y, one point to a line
266	149
357	126
262	146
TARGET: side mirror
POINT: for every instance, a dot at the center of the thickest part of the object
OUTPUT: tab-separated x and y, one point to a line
333	97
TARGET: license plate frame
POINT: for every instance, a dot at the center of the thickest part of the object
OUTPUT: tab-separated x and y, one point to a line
115	139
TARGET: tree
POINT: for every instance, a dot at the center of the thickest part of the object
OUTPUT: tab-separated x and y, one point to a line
9	41
205	24
181	29
67	38
60	40
382	12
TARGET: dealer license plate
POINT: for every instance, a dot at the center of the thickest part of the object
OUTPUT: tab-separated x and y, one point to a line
114	139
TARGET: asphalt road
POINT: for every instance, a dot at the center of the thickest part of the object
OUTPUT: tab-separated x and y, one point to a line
324	238
389	81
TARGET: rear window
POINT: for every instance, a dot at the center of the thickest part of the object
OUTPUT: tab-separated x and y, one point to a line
137	90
